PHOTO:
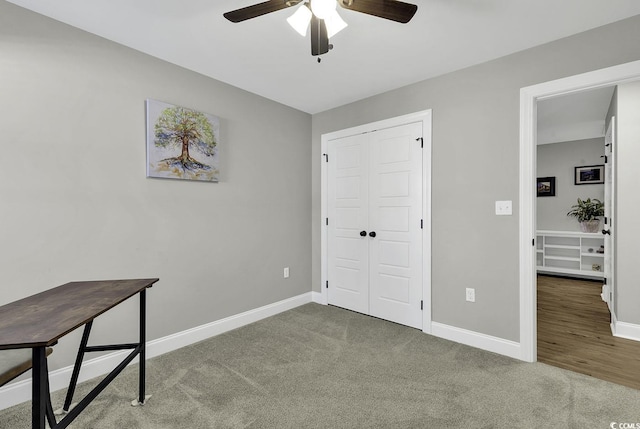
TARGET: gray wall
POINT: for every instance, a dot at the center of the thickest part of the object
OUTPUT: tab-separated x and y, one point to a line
75	203
475	163
627	226
559	160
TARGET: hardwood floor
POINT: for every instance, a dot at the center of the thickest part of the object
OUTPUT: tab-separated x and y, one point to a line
574	332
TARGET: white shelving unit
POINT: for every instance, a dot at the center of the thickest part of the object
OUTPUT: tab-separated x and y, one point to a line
570	253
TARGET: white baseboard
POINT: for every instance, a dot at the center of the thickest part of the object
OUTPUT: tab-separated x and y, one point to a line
316	297
475	339
18	392
626	330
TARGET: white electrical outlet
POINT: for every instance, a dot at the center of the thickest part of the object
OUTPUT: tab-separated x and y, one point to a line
471	294
286	272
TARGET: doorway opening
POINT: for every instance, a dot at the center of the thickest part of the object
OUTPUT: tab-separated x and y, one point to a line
574	165
529	99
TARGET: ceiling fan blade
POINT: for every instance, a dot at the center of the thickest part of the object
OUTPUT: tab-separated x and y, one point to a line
259	9
388	9
319	37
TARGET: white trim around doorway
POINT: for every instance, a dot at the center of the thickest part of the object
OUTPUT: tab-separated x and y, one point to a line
424	117
529	96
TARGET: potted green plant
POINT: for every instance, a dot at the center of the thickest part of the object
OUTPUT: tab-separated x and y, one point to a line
587	213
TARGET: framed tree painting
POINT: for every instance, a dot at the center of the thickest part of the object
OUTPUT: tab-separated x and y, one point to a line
182	143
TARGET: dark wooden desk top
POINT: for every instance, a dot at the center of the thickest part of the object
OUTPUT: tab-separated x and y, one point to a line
42	319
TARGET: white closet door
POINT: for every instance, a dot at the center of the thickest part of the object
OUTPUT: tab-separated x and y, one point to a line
608	288
395	212
348	216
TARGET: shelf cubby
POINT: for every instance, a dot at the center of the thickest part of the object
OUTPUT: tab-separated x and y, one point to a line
570	253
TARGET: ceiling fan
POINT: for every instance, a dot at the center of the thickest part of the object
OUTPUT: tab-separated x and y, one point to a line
322	17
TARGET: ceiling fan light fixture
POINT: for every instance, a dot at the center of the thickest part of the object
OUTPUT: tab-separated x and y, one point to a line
321	16
335	24
300	20
323	8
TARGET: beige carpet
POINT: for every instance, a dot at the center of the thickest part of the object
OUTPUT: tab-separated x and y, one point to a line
324	367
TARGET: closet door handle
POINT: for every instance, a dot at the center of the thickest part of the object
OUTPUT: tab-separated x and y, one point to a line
372	234
606	231
363	233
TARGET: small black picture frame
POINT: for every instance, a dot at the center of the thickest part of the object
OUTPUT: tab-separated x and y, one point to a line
589	175
546	186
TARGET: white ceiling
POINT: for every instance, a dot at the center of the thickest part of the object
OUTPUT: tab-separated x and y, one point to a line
572	117
265	56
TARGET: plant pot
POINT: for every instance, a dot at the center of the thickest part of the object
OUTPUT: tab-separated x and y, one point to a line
590	225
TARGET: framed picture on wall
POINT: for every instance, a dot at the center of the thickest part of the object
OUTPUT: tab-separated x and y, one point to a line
546	186
589	175
182	143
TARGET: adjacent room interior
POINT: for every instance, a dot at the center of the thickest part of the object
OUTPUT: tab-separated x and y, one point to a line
575	286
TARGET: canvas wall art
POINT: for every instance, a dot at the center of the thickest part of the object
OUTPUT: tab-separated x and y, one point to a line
182	143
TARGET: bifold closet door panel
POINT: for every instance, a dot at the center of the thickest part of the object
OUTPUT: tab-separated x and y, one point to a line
348	256
395	212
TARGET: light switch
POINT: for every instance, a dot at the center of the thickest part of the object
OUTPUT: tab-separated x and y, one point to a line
504	208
